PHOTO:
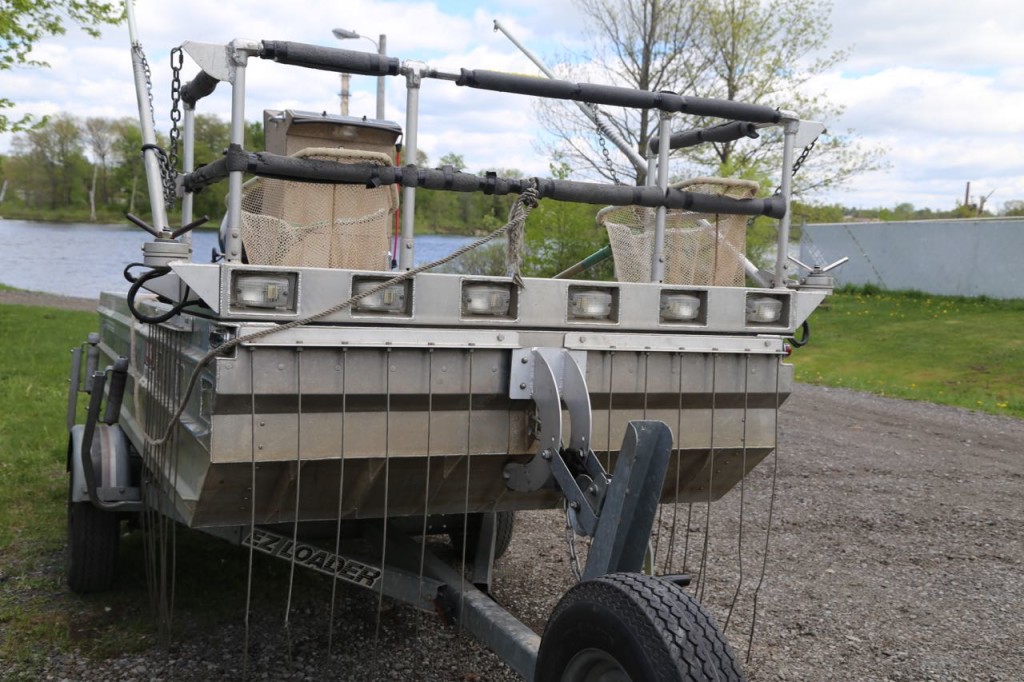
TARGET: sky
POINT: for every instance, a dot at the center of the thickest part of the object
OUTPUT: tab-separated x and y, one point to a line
939	84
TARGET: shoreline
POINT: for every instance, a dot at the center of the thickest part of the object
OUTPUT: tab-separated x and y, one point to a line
46	300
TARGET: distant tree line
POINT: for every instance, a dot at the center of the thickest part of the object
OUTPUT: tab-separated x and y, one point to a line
91	169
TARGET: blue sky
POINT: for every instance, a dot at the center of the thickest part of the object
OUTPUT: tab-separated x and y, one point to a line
939	83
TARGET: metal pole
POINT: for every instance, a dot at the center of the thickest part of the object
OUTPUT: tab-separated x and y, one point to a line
188	165
345	80
589	110
154	180
782	256
382	49
413	78
233	238
658	257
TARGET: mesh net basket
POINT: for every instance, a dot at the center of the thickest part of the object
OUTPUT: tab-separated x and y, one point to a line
700	248
319	225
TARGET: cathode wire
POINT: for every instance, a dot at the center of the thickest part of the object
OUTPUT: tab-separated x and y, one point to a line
341	494
387	490
679	455
252	509
711	478
426	483
743	479
465	510
771	511
298	493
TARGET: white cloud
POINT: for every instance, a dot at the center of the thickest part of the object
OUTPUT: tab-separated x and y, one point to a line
939	82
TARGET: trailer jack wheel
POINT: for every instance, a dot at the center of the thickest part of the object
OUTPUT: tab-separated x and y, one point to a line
627	627
93	539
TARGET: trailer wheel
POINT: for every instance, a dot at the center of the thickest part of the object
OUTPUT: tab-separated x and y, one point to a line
627	627
93	539
504	524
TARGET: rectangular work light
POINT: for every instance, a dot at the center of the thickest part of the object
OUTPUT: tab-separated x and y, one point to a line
587	303
264	291
487	298
393	299
763	309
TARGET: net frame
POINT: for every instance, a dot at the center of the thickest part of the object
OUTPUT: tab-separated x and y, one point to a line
700	248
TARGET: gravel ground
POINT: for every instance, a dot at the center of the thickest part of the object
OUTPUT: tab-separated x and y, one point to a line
895	554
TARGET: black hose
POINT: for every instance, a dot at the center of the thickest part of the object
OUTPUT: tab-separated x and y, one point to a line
800	343
137	283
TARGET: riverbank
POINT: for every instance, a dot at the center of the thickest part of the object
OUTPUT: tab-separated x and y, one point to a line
44	300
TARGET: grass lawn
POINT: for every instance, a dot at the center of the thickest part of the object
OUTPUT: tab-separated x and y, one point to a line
956	351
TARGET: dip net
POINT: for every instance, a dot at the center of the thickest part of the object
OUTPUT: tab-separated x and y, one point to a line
700	248
320	225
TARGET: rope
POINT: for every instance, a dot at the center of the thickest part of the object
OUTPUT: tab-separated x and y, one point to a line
517	215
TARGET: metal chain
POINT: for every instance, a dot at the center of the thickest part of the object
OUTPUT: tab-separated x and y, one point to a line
169	161
799	162
570	541
604	147
149	79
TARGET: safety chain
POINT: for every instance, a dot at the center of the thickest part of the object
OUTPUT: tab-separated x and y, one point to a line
177	59
167	162
799	162
570	541
604	147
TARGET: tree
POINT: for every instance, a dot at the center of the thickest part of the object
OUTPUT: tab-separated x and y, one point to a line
1013	207
24	22
753	51
53	154
99	135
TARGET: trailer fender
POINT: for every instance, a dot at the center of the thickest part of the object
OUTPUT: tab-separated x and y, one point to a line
110	459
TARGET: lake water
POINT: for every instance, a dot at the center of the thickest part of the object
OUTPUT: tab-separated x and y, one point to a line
83	259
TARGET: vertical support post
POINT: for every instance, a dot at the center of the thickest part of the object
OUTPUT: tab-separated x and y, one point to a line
233	235
346	92
658	257
188	165
782	256
413	79
382	48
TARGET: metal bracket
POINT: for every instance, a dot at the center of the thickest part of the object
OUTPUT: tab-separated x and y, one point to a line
553	377
213	58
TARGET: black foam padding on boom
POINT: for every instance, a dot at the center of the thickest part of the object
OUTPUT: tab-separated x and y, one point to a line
615	96
726	132
267	165
329	58
199	87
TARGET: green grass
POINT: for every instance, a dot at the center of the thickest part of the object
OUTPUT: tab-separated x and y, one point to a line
967	352
38	614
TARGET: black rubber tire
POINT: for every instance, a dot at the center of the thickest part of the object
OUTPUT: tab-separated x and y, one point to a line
94	536
649	629
504	525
